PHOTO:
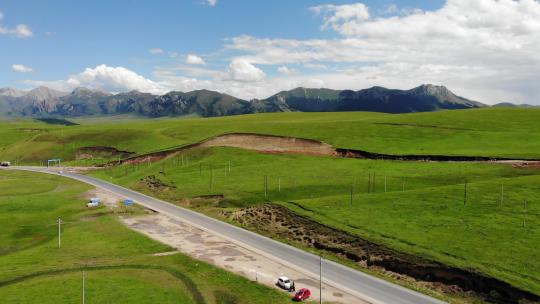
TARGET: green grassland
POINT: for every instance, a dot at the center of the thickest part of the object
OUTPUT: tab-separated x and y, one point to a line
422	211
118	262
501	132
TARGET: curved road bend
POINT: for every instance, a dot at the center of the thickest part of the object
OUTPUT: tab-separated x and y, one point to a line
347	279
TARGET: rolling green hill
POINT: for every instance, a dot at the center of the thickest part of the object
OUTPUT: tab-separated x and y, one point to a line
494	132
422	212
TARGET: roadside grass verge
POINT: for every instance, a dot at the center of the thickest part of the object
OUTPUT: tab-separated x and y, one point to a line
119	263
423	211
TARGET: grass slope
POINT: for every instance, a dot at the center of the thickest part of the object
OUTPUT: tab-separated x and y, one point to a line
118	262
422	211
502	132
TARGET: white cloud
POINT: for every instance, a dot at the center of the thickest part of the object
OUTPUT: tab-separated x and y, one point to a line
20	31
286	71
336	14
21	68
242	70
211	2
173	54
156	51
194	59
481	47
105	78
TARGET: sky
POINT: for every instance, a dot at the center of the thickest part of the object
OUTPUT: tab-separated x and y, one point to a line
486	50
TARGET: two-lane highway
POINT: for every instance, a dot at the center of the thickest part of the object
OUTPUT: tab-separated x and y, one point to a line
349	280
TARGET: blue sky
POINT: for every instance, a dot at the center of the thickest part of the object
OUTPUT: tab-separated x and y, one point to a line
240	42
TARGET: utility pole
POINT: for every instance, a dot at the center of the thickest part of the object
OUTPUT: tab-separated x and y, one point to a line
502	194
229	166
465	195
352	193
59	232
211	179
369	183
83	291
524	212
279	184
266	186
320	279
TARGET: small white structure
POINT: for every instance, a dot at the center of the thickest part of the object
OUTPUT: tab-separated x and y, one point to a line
94	202
5	164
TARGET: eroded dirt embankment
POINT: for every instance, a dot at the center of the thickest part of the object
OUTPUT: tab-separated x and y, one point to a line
279	221
293	145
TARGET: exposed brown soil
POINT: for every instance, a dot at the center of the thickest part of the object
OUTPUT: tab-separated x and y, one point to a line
525	164
279	221
101	151
271	144
293	145
155	184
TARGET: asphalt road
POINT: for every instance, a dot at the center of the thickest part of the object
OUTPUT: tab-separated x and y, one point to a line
349	280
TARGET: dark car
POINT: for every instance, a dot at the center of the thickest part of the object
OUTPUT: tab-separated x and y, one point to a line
302	295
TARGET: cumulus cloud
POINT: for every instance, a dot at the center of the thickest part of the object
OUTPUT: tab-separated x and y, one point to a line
105	78
21	68
19	31
211	2
156	51
194	59
285	70
335	15
481	49
493	44
242	70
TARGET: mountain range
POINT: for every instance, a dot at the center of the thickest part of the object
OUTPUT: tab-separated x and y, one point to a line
46	102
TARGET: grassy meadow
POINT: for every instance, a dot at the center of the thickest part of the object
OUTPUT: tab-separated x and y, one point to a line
422	211
501	132
415	207
118	262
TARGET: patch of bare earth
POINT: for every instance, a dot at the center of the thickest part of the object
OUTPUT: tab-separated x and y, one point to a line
275	220
218	251
100	151
526	164
271	144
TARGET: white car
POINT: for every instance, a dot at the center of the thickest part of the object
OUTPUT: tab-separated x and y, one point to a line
284	283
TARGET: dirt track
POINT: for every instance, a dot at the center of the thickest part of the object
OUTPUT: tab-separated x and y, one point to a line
217	251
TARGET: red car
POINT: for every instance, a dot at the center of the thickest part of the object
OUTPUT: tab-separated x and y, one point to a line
301	295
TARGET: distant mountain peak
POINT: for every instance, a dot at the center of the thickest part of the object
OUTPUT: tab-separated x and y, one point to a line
44	93
43	101
431	89
11	92
82	91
